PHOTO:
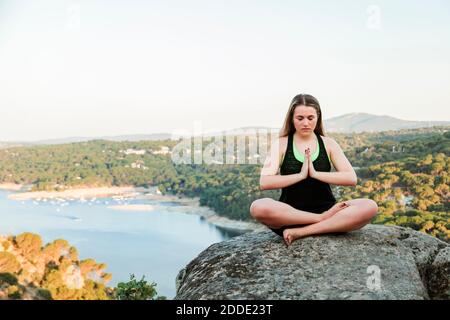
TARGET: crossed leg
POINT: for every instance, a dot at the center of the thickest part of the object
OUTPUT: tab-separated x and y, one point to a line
353	215
359	213
276	214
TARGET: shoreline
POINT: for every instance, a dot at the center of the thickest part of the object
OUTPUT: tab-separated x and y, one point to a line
208	214
231	225
132	207
138	193
76	193
11	186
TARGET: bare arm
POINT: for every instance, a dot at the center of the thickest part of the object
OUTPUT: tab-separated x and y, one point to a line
279	181
270	177
345	175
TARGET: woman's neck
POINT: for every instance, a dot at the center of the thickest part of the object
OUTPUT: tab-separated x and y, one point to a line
305	137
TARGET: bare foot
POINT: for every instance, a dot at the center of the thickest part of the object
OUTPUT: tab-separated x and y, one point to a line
333	210
289	236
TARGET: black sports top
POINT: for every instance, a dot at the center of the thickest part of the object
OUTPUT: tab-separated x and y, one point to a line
309	194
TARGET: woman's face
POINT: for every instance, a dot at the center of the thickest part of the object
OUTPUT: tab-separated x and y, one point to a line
305	119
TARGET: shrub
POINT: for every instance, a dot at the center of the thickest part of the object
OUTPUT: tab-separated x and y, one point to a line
8	278
135	290
44	294
14	292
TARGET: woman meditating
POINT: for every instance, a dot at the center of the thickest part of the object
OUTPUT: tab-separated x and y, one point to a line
300	163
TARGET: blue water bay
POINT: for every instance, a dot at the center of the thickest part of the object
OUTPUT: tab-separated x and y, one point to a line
155	244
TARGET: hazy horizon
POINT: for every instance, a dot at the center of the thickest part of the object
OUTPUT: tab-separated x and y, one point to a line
190	131
107	68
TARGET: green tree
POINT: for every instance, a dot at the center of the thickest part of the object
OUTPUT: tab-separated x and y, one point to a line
136	290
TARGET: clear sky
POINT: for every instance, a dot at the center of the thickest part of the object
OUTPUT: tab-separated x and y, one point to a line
94	68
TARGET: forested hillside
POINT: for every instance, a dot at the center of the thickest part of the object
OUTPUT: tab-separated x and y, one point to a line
405	172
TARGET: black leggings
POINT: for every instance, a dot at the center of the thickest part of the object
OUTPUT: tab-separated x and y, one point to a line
316	209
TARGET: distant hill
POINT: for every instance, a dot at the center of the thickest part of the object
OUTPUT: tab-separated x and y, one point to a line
347	123
4	145
359	122
136	137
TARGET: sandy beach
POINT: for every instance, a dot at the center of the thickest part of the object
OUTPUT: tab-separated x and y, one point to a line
11	186
86	193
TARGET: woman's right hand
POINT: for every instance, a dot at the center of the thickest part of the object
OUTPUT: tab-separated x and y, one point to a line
305	168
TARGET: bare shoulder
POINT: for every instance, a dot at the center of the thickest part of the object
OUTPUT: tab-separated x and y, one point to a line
330	144
281	143
329	140
283	147
274	159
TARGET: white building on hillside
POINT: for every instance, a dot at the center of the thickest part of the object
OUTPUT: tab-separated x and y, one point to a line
163	150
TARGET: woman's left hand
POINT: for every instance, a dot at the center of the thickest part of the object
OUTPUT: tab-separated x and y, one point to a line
312	171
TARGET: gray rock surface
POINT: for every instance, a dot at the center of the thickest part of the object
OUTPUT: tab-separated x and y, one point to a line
376	262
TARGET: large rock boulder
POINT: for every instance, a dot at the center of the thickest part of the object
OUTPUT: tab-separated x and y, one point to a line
376	262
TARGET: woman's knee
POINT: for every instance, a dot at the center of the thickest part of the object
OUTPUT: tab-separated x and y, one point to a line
367	207
260	208
370	209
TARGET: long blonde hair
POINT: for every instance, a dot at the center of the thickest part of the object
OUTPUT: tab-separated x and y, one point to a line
302	100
